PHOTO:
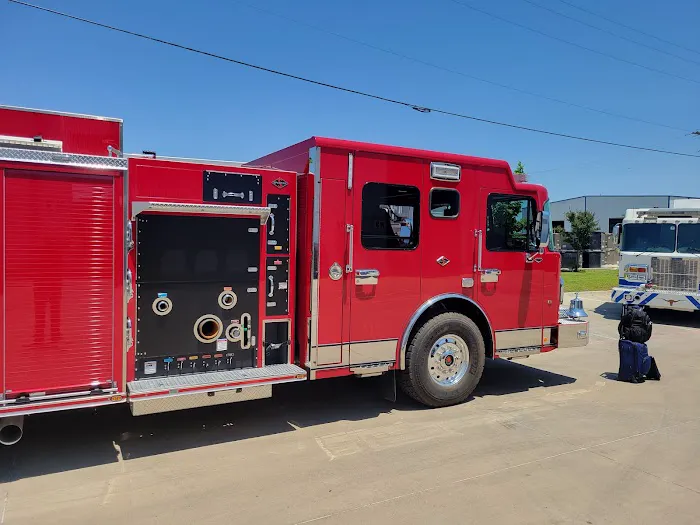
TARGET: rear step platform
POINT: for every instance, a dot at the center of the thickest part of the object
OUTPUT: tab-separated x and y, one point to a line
165	394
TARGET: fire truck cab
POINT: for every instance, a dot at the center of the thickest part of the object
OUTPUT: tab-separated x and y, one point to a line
173	283
660	258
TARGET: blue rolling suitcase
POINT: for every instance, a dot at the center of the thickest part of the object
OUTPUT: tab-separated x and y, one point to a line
636	364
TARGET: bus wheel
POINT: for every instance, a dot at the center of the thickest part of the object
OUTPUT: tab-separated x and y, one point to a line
444	361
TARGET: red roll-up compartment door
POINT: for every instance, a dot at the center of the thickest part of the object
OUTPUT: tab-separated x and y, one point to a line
60	280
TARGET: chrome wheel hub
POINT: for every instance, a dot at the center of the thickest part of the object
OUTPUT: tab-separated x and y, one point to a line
448	361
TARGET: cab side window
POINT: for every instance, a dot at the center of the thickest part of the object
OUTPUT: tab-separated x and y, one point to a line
444	203
390	216
510	224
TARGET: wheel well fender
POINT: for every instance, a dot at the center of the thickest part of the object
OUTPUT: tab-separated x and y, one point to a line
446	303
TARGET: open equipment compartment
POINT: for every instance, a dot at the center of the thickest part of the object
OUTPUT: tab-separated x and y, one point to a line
204	244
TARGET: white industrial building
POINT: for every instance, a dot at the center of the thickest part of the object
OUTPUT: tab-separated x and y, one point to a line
608	209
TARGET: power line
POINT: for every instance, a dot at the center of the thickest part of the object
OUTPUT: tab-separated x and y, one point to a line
419	108
570	43
637	30
608	32
454	71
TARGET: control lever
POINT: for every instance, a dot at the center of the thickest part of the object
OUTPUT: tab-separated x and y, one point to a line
225	194
275	346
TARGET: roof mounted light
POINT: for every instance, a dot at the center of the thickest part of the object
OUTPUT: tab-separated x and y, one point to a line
443	171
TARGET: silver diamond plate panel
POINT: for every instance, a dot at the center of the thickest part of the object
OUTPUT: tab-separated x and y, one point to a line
213	209
63	159
143	407
679	275
213	378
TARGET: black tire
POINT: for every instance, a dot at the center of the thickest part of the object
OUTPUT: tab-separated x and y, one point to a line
415	380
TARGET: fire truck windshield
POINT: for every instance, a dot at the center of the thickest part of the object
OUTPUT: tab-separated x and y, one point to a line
650	237
689	238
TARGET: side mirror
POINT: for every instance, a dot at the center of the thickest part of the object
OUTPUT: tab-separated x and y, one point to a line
616	233
543	228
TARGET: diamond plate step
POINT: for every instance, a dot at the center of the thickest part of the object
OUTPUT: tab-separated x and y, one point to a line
216	380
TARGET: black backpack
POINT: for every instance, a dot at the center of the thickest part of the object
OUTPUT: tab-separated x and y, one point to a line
635	325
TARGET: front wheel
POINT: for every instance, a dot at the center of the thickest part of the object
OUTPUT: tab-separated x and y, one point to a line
444	361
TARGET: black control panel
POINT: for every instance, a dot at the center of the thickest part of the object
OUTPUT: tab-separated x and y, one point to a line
278	224
277	286
232	188
197	289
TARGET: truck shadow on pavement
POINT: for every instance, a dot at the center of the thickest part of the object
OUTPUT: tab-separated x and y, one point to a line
65	441
661	317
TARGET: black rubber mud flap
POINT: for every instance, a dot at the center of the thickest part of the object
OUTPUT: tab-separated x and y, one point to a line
389	386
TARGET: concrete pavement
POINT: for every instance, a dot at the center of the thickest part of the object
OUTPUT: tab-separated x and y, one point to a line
549	439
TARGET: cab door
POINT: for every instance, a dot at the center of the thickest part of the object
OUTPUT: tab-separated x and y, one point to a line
384	264
509	278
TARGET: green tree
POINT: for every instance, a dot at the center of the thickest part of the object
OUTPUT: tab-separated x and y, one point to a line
583	224
520	169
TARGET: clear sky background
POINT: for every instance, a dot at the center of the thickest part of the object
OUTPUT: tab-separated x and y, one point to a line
181	104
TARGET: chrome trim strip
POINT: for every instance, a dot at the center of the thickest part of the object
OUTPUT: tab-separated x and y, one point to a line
14	142
351	158
326	356
127	274
193	160
518	338
430	302
168	403
63	159
315	170
62	113
211	209
373	351
77	395
523	351
240	377
56	406
377	350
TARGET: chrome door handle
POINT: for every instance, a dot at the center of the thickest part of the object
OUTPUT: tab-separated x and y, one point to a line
366	276
272	225
490	275
272	286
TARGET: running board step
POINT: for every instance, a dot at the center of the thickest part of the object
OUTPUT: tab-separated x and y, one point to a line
165	394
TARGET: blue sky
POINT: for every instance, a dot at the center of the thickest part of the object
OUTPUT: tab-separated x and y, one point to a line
182	104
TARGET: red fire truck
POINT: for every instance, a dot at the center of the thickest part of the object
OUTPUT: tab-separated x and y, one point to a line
173	283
